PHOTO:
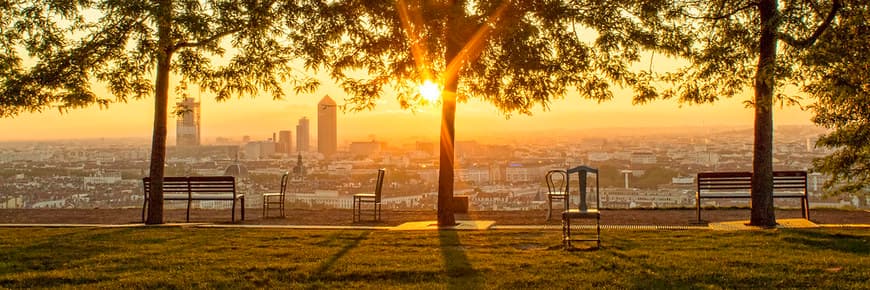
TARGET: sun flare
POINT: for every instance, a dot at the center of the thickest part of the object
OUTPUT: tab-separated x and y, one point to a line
430	91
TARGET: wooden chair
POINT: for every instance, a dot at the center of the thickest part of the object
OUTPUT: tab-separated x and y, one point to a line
583	211
373	198
275	200
556	185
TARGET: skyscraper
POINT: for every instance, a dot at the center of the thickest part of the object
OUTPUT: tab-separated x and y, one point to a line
187	125
303	140
285	142
327	126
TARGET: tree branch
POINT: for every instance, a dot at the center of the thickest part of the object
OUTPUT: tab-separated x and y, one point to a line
202	42
804	43
724	16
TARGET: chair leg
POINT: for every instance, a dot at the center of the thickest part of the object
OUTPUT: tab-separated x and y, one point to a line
144	206
566	233
243	207
549	208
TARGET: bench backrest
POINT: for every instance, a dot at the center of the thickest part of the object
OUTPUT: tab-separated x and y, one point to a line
212	184
740	182
171	184
194	184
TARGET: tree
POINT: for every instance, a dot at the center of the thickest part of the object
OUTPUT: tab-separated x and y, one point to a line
133	47
738	46
838	69
513	54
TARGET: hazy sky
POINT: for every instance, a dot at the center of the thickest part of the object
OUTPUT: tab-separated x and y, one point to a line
259	117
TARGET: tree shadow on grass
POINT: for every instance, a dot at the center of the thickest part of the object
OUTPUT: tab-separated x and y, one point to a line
327	264
460	273
29	265
840	242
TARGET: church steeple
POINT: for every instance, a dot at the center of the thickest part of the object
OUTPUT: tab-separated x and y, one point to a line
299	169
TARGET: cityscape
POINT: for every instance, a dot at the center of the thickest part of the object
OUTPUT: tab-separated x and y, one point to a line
653	170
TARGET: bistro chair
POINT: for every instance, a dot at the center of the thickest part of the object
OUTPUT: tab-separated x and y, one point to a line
373	198
556	190
583	211
275	200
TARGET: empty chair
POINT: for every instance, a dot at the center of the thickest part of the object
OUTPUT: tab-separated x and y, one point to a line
373	198
556	190
275	200
583	211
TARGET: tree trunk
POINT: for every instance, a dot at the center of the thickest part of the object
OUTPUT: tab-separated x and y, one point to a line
448	118
762	162
161	100
447	152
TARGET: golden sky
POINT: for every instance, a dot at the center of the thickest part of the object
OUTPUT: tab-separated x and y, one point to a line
261	116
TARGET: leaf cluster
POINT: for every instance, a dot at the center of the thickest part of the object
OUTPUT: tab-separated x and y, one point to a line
54	52
839	70
533	51
725	48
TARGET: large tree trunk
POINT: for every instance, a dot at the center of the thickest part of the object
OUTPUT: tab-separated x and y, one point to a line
161	100
762	161
448	127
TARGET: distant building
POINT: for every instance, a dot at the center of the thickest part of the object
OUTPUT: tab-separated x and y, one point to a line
365	149
258	150
327	126
643	157
303	140
285	143
187	131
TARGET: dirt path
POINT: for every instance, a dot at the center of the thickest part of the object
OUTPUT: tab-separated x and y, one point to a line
392	218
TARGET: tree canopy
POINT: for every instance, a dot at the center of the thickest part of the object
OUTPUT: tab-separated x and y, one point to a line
838	75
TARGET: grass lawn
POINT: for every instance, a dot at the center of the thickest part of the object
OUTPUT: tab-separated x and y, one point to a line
174	257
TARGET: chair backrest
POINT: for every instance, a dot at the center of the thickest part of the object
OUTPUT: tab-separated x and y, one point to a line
379	185
557	181
582	172
284	179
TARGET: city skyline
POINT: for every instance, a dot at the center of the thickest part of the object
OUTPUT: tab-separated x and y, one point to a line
257	117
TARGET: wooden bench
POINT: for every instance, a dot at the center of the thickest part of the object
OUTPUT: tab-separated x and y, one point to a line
190	188
738	185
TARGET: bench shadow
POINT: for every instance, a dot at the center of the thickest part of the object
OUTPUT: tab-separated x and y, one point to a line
460	273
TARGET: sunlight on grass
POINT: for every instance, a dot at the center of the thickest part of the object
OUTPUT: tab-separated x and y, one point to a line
272	258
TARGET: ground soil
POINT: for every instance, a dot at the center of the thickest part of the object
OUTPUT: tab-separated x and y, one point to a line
342	217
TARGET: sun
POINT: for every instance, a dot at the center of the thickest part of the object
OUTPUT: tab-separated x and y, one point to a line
430	91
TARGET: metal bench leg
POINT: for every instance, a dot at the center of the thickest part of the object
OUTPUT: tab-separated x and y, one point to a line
598	232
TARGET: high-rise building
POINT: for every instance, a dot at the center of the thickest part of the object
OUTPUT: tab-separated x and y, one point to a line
187	126
285	143
327	126
303	140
